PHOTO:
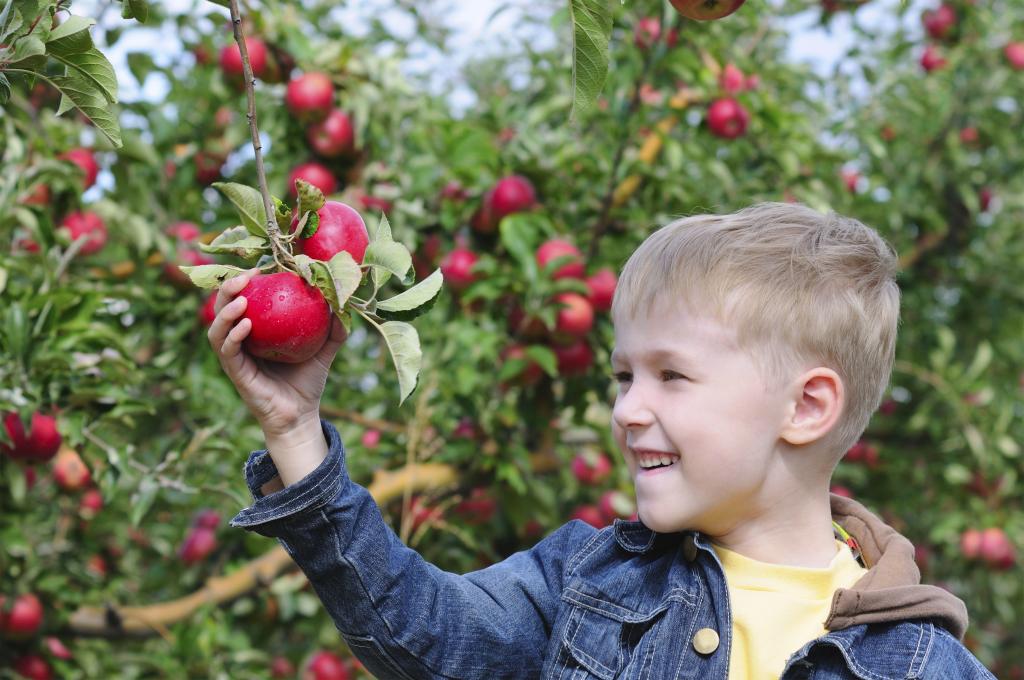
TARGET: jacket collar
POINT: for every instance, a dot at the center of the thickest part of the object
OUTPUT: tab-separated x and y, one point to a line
891	590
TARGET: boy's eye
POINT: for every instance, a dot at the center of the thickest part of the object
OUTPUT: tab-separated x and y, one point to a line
625	376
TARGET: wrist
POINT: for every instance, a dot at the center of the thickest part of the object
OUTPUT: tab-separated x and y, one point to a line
297	451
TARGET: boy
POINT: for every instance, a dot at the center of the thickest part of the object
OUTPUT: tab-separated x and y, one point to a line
750	351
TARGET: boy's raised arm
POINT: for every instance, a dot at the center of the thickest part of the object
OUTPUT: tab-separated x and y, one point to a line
402	616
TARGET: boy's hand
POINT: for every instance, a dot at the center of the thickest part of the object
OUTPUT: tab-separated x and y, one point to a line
278	395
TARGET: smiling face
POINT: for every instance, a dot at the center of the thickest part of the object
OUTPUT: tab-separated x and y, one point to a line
686	389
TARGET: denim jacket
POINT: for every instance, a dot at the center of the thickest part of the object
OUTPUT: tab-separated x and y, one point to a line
619	602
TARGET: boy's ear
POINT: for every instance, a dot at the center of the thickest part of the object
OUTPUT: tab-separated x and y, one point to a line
817	402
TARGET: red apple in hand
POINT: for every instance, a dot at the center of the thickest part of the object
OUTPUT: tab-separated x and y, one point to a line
40	444
727	118
316	174
706	10
556	248
207	312
86	224
231	58
457	268
341	228
290	319
24	618
333	136
85	160
511	195
325	666
310	96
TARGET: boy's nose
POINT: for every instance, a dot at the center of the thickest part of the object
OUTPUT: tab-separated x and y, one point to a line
631	410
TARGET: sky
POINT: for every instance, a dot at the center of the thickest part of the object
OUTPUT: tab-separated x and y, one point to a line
478	28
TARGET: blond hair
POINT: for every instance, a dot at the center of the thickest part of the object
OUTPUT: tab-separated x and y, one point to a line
794	284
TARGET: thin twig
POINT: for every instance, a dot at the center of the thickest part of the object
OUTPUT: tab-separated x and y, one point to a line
268	205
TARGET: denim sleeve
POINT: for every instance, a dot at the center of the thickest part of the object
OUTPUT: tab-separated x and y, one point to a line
402	616
950	660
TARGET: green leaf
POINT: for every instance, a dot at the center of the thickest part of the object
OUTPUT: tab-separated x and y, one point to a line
9	23
591	31
387	258
518	234
3	279
249	204
237	241
80	92
383	231
27	48
420	294
337	279
72	26
72	45
310	197
5	89
211	276
135	9
544	356
404	344
142	499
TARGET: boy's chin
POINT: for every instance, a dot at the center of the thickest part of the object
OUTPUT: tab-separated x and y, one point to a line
661	522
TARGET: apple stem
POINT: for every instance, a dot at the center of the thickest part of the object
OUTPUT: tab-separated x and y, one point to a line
650	56
279	252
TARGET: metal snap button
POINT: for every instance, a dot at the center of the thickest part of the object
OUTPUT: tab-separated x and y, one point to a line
705	641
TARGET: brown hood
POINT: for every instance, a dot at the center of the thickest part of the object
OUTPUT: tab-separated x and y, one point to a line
892	589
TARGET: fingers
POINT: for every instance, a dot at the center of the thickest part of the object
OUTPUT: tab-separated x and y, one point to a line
231	288
227	332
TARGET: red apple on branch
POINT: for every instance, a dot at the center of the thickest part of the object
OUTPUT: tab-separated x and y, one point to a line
184	231
602	289
33	667
208	166
89	225
70	471
310	96
1014	53
727	118
341	228
457	268
231	58
510	195
23	619
316	174
40	444
85	160
591	467
290	319
325	666
706	10
590	514
333	136
556	248
940	21
198	544
575	316
932	59
575	359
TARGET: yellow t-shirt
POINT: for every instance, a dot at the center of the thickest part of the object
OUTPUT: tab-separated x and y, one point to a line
777	609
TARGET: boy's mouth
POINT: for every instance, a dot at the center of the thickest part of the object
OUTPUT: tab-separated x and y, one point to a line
649	461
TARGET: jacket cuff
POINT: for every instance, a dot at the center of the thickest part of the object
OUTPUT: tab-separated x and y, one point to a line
312	491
